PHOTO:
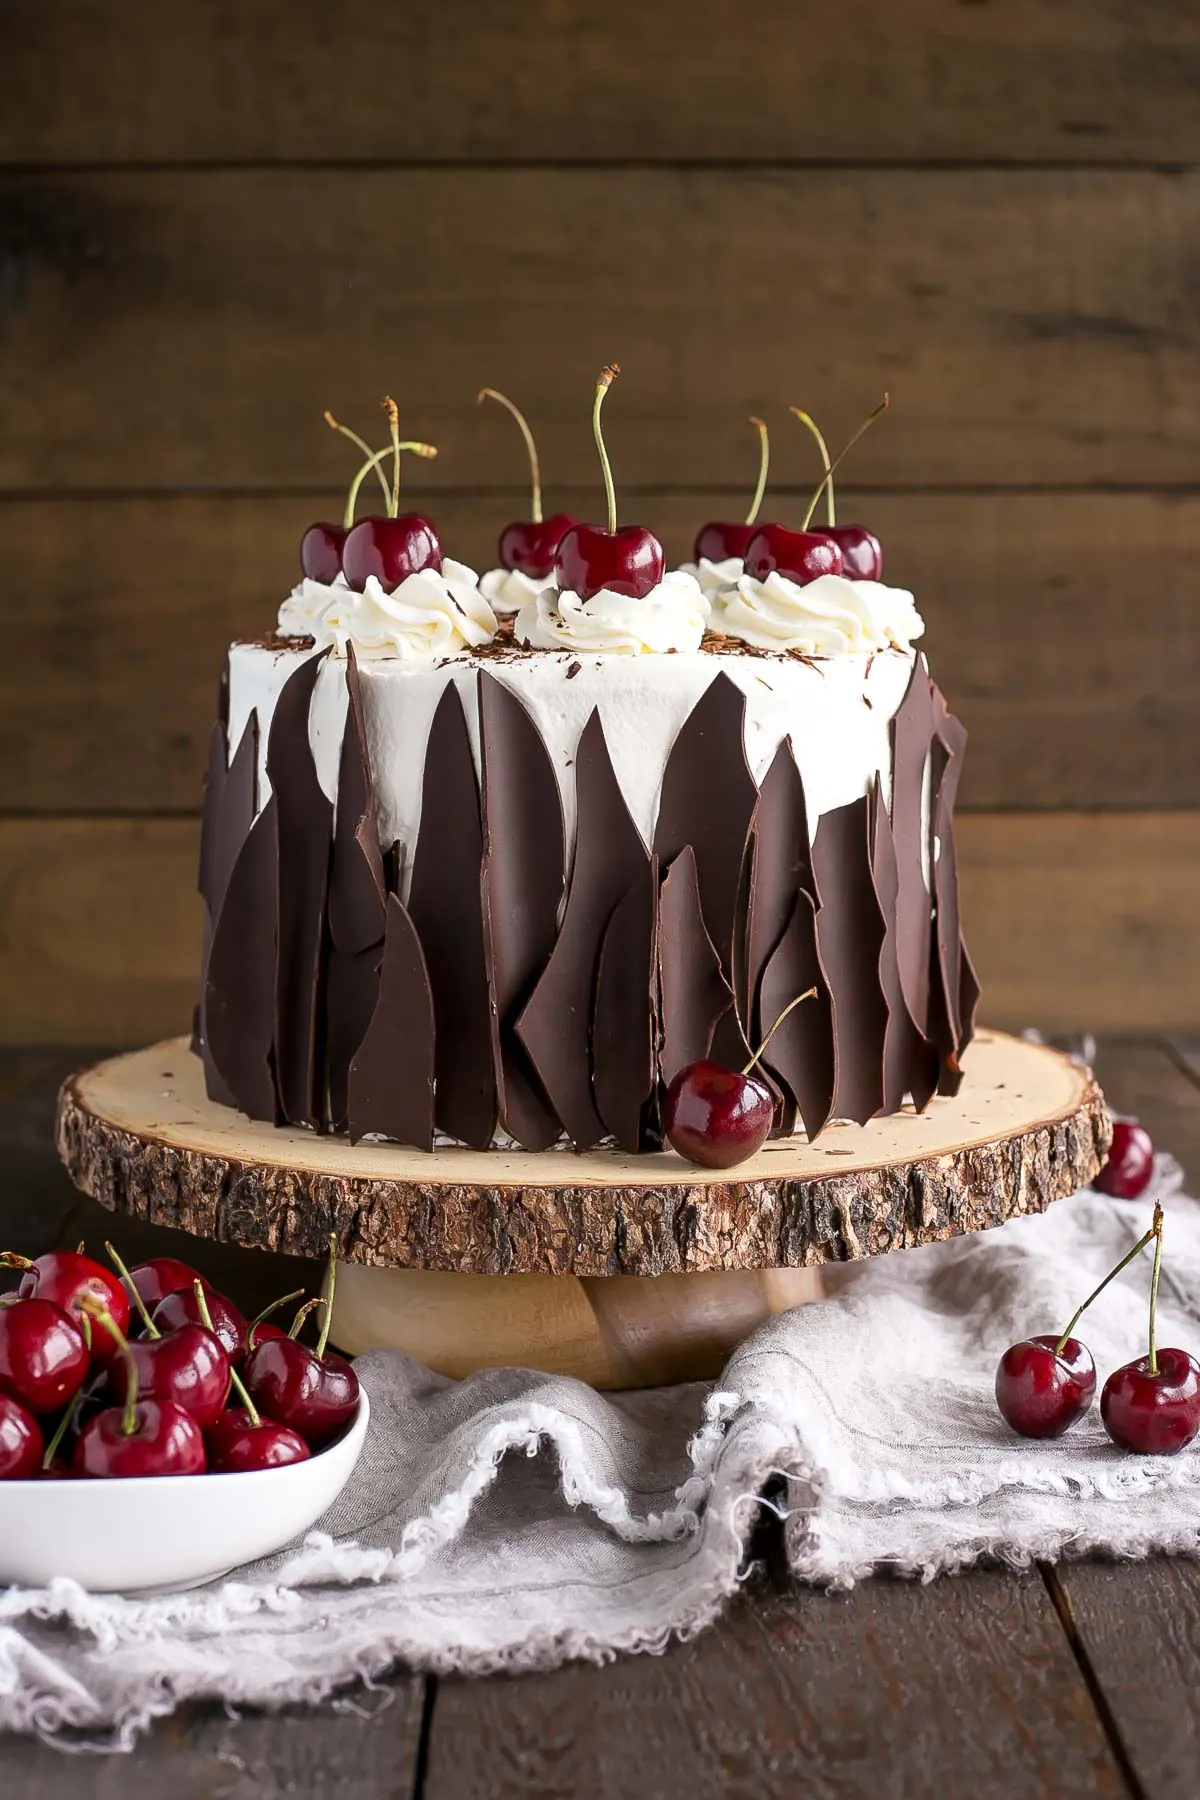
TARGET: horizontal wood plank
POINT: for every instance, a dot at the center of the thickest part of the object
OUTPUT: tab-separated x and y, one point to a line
186	329
1075	694
560	79
1078	922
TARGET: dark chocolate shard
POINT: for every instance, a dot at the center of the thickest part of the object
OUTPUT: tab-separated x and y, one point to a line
708	796
239	995
556	1024
969	993
850	938
351	995
801	1054
446	906
305	816
912	735
694	995
910	1059
391	1076
780	864
947	768
523	878
357	884
230	803
623	1023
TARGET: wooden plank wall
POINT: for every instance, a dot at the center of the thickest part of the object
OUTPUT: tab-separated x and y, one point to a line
216	220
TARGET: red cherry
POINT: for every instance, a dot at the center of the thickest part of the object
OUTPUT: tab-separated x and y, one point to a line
188	1366
716	1117
531	545
321	552
391	550
164	1440
21	1444
1130	1165
316	1396
862	553
261	1330
183	1308
628	561
73	1281
44	1360
160	1276
802	556
720	540
237	1444
1042	1390
1154	1414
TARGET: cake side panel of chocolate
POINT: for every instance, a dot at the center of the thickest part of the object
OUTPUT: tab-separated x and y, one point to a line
910	1059
392	1074
947	946
555	1026
850	934
693	993
523	874
780	863
445	903
623	1024
239	1000
230	803
912	736
802	1054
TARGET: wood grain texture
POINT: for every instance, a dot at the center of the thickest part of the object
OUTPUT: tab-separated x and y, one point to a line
893	1690
1011	83
1074	694
1076	921
191	326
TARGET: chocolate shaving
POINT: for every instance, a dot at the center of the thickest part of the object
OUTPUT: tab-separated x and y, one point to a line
622	1021
850	935
708	796
305	826
912	735
446	907
391	1076
522	891
780	864
910	1059
610	858
802	1054
694	995
239	995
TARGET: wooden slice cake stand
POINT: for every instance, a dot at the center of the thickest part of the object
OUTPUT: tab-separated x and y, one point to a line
626	1271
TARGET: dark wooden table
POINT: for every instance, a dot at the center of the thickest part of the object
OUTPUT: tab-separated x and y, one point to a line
1080	1680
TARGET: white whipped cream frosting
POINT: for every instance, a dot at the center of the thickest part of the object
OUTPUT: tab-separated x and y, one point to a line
671	617
714	577
830	616
508	590
431	614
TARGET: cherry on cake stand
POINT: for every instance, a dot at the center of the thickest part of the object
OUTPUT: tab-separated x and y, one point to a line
625	1271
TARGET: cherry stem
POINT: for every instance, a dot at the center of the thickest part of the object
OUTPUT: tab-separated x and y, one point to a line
61	1429
12	1259
102	1317
327	1298
266	1312
535	472
372	461
846	448
235	1380
608	375
764	458
393	418
127	1281
823	447
1096	1292
1157	1230
298	1322
376	461
809	994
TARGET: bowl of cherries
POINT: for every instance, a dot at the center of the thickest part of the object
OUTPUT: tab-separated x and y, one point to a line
118	1387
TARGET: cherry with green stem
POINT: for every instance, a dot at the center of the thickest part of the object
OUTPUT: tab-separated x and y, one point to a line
723	540
240	1440
263	1320
392	542
718	1117
862	553
803	556
316	1392
188	1365
141	1436
529	545
591	558
1152	1406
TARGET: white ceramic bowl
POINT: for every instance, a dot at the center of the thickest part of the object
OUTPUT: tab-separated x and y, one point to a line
162	1531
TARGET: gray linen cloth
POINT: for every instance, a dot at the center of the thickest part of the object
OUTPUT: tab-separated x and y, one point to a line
514	1520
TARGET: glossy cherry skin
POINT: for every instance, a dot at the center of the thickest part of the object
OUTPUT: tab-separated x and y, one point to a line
189	1366
321	552
260	1332
160	1276
288	1383
721	540
182	1308
628	561
391	550
1130	1165
802	556
1154	1415
68	1278
165	1441
236	1444
531	545
1040	1393
715	1117
22	1446
862	553
44	1360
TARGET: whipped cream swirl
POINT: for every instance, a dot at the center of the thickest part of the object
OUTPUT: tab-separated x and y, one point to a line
714	577
431	614
830	616
672	616
508	590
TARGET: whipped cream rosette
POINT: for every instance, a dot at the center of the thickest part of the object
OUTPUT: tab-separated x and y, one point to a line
430	614
827	617
671	617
